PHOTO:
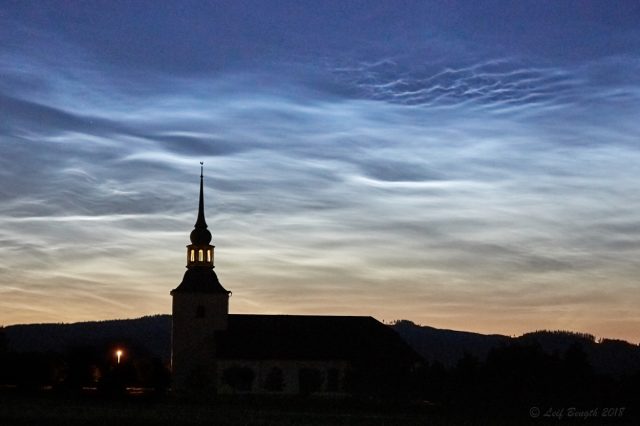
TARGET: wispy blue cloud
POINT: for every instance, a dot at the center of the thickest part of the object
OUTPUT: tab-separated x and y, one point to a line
354	165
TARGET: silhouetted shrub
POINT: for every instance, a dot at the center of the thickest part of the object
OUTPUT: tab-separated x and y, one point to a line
333	380
310	380
3	341
239	378
274	381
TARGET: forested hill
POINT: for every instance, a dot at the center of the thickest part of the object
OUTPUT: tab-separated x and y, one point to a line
152	334
447	346
606	356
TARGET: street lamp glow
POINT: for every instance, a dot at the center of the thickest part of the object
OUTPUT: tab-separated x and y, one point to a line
118	355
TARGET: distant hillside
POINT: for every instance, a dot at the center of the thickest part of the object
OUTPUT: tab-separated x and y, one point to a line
606	356
448	346
152	334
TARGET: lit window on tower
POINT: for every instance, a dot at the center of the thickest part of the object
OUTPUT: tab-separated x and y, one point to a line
208	255
200	255
193	255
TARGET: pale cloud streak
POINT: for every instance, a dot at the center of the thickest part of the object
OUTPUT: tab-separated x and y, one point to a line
491	194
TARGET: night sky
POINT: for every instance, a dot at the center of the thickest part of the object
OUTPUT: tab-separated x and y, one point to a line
466	165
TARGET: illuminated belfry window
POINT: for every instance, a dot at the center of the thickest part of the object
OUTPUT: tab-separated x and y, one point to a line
200	255
193	255
208	255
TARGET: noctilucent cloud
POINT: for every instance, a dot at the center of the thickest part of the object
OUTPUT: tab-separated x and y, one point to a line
466	165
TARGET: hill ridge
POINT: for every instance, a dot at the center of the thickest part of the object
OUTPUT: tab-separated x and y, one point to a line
152	334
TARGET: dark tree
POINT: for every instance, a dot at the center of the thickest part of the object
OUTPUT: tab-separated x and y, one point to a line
310	380
333	380
239	378
3	341
274	381
84	367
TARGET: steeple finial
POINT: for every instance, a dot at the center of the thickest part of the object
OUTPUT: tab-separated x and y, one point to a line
201	223
200	235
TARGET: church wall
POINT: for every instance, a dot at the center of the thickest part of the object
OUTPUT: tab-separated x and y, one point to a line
330	374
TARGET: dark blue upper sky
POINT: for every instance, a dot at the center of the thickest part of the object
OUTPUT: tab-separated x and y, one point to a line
453	162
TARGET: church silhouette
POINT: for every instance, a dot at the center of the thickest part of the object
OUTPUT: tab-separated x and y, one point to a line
216	352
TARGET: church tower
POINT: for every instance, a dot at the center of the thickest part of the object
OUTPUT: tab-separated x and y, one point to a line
200	308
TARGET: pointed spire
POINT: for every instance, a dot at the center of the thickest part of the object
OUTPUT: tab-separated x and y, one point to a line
201	223
200	235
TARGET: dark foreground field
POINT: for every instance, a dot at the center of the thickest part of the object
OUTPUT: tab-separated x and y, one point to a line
48	408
